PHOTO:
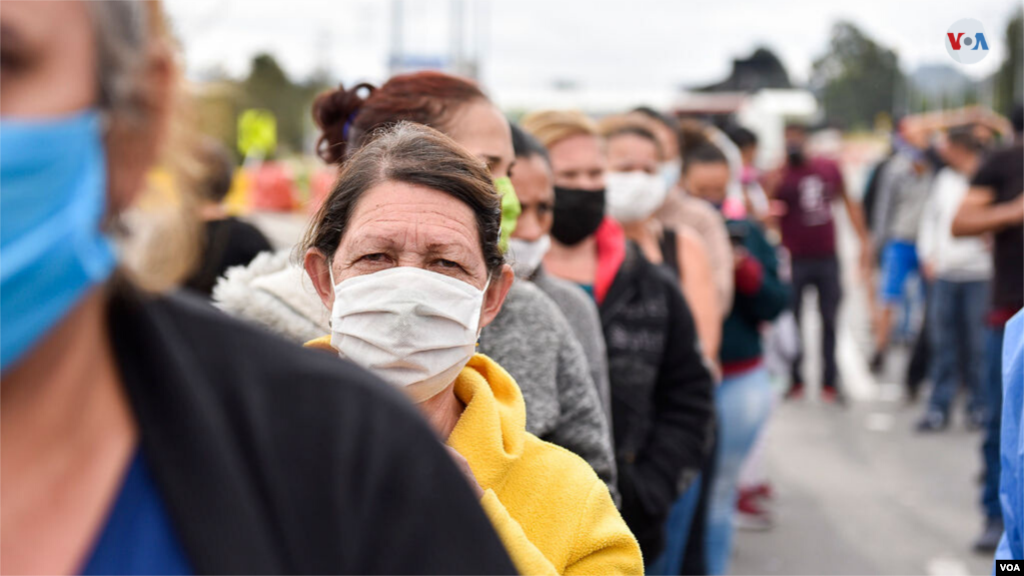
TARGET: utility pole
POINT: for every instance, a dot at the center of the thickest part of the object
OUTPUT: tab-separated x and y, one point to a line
323	50
896	96
456	26
481	31
467	28
397	40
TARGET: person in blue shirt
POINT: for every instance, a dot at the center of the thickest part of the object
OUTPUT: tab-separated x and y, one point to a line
1011	483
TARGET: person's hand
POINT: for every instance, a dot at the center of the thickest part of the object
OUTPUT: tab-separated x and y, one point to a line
770	181
928	271
867	264
777	208
463	465
1018	208
739	254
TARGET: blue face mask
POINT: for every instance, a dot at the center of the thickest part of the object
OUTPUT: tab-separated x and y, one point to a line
670	171
53	187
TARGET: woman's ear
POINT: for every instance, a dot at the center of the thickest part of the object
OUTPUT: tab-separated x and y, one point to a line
136	137
318	268
501	283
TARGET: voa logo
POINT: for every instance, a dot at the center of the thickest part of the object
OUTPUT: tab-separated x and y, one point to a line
1006	566
965	41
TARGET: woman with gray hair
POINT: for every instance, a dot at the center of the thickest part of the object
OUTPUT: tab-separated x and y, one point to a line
143	432
530	337
405	254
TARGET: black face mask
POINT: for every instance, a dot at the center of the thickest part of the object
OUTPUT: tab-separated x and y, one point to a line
795	155
578	213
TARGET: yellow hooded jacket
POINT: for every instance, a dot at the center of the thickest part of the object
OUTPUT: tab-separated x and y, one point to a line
550	509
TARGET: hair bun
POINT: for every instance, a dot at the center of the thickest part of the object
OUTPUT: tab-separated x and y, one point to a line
334	112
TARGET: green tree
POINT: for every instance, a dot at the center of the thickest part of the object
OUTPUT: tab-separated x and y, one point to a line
269	87
857	79
1009	79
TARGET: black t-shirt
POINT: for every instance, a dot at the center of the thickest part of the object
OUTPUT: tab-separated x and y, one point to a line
272	459
1003	173
229	242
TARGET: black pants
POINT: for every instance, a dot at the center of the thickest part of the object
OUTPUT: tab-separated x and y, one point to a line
920	357
823	275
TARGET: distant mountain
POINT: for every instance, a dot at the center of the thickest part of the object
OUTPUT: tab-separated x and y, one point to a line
937	80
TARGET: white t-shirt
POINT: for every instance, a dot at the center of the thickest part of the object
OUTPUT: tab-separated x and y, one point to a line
957	259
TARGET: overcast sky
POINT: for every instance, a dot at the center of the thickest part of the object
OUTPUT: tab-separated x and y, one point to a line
647	44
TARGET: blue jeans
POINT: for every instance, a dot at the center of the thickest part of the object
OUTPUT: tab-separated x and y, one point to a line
957	332
677	533
743	402
993	411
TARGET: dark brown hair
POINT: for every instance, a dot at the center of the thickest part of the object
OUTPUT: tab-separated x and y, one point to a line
705	153
218	170
626	125
346	118
963	137
413	154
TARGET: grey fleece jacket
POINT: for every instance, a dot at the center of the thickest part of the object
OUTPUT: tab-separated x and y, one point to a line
530	338
581	312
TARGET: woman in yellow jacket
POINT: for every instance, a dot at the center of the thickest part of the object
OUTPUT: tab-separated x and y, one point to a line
404	252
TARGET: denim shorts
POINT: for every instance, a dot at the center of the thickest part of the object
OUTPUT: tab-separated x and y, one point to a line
899	261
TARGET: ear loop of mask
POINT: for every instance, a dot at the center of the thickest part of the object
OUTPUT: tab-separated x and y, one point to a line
480	329
113	224
330	273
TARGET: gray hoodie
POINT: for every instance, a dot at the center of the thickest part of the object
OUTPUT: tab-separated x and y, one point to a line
530	338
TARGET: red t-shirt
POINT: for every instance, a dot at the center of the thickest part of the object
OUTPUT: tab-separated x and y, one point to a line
808	229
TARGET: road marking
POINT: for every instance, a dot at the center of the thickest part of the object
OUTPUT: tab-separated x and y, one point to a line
879	422
946	566
858	383
890	392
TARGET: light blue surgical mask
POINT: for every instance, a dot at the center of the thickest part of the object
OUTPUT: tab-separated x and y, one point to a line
670	171
53	186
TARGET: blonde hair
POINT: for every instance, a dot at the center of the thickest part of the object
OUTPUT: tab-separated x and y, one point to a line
159	234
553	126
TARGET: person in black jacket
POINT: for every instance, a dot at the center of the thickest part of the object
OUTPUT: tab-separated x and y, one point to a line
145	433
227	241
660	385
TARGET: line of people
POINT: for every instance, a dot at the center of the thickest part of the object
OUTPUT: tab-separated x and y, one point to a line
947	216
535	347
940	229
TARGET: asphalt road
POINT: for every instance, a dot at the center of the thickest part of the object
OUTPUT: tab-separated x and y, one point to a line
858	491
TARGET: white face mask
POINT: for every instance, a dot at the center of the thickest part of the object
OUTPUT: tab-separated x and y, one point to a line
412	327
525	256
670	172
634	196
